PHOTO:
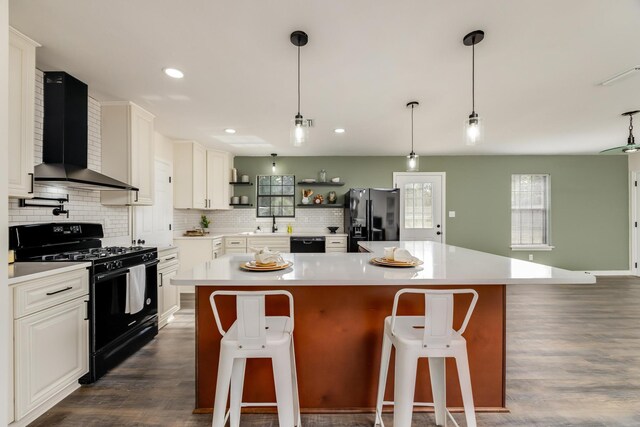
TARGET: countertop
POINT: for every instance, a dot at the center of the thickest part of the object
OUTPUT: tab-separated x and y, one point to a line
443	265
24	271
263	234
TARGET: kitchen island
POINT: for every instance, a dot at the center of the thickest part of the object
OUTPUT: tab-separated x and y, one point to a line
341	301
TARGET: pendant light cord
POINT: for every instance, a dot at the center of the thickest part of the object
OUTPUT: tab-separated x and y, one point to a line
473	78
412	129
631	125
298	80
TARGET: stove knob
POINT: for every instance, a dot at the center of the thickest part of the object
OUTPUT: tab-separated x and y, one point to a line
109	266
119	264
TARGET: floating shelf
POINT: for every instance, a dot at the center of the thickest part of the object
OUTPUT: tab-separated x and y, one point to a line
240	183
246	205
322	184
320	205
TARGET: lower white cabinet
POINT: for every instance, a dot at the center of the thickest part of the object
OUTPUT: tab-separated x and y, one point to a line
51	352
50	341
194	251
336	244
168	294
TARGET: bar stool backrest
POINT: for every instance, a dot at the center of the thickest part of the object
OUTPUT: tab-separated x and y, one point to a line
251	318
438	318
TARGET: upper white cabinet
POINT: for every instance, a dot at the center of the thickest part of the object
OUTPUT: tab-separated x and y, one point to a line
201	177
218	175
128	152
22	75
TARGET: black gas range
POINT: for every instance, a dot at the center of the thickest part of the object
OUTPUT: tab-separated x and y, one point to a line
114	334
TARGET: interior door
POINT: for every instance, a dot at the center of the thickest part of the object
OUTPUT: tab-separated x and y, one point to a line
153	223
421	205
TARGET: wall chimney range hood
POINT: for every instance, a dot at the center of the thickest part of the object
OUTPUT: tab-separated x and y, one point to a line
64	148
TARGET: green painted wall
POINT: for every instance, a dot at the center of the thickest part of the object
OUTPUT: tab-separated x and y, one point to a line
589	199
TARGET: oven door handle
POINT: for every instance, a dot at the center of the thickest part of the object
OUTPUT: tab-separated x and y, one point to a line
104	276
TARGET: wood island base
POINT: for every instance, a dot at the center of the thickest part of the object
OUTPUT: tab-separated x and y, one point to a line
338	339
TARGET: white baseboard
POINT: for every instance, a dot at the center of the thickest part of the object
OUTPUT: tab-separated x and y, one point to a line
46	405
610	272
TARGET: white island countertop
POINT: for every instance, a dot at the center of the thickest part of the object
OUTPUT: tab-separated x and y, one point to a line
443	265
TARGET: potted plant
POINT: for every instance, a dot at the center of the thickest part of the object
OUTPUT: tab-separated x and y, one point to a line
204	222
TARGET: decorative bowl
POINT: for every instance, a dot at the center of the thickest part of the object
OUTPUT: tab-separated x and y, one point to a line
333	229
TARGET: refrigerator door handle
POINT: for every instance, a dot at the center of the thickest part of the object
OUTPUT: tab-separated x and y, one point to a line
370	220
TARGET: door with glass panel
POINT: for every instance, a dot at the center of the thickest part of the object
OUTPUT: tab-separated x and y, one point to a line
421	205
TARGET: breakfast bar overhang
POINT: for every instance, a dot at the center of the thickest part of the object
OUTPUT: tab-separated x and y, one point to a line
341	301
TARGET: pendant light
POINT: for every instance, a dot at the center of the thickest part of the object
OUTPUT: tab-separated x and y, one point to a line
300	127
473	125
631	146
273	165
413	160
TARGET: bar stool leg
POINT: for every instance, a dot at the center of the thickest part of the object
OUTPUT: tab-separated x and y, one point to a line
438	388
237	384
294	380
382	380
225	366
462	363
284	389
404	387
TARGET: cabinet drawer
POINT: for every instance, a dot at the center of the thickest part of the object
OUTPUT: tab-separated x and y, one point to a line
261	242
216	244
169	261
235	242
336	242
336	249
39	294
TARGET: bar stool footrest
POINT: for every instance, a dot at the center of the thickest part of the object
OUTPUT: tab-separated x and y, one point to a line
380	423
258	405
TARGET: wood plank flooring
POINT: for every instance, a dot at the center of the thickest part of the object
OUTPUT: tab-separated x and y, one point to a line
573	359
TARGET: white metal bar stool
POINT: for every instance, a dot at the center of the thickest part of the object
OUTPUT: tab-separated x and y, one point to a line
254	335
431	336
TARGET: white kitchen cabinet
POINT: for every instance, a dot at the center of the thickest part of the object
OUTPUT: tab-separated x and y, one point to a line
201	177
217	247
235	245
128	152
336	244
193	251
168	295
218	176
50	341
189	175
274	243
22	69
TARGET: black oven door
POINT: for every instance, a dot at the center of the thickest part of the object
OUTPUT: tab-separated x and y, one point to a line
109	301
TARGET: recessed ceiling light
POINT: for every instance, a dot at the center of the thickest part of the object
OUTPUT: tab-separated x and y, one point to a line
229	130
174	72
339	130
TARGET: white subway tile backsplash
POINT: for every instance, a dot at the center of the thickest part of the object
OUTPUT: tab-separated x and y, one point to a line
83	205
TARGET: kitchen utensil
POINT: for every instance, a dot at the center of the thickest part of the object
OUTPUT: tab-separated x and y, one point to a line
235	200
244	200
245	178
234	175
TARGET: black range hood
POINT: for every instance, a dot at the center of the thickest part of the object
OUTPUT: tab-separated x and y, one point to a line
64	145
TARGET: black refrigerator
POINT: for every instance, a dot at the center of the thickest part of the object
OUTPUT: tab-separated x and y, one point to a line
371	214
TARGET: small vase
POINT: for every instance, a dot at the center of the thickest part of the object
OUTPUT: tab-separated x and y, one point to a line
322	176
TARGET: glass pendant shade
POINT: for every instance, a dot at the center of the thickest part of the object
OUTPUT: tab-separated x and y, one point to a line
473	129
631	146
413	162
299	131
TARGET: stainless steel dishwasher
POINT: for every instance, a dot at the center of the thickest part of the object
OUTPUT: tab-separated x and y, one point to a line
308	244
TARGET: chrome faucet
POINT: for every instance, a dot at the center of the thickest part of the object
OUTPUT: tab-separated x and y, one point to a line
274	227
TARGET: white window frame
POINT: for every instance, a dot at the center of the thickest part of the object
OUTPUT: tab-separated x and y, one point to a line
540	247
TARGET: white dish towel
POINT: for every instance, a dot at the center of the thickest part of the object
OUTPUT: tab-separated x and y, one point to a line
136	284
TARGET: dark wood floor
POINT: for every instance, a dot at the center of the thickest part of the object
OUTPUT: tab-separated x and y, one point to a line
573	359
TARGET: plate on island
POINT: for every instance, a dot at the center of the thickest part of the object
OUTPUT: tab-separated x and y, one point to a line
253	266
391	263
308	180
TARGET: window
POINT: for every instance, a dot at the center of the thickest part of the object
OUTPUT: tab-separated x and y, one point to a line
530	211
276	195
418	205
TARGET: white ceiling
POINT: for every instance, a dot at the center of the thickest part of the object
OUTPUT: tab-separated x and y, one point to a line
537	71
